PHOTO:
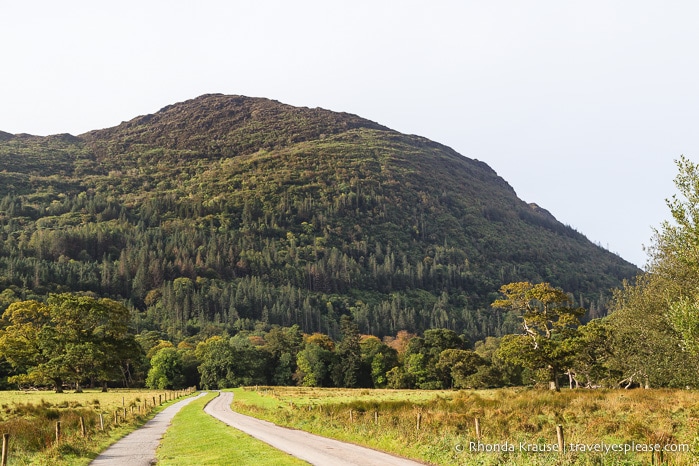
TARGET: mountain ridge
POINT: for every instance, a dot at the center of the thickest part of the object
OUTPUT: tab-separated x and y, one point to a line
280	214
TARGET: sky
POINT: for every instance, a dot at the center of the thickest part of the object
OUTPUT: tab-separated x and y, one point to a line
582	107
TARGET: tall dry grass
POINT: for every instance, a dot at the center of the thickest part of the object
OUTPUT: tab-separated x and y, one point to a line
507	417
30	418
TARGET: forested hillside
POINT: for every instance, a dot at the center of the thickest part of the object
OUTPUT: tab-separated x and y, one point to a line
227	212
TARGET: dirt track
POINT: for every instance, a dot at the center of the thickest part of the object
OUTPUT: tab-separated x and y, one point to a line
308	447
138	448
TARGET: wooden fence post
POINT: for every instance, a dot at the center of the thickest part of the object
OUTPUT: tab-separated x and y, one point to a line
5	447
101	422
351	417
561	441
478	428
58	431
376	417
419	419
83	432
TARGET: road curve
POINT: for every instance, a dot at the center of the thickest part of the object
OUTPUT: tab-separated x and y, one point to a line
138	448
313	448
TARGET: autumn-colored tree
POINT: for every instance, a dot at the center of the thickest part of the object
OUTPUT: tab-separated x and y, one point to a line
400	341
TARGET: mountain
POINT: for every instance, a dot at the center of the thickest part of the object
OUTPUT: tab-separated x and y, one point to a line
229	211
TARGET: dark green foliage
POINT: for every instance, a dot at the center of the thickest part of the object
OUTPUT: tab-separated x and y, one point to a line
347	370
315	364
231	212
377	359
216	357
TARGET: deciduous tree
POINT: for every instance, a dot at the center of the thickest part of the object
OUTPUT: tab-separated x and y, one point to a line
73	338
549	324
166	371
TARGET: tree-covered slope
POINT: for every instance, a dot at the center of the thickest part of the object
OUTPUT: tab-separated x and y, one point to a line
229	210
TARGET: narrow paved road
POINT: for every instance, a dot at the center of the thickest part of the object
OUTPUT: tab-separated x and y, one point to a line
308	447
138	448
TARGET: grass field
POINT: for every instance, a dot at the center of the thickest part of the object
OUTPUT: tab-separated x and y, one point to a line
517	426
30	418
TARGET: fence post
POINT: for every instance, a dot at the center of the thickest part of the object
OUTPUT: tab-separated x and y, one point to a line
351	417
101	422
478	428
419	419
5	447
58	431
376	417
561	441
82	427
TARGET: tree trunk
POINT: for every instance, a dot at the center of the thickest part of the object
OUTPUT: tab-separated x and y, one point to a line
58	384
553	383
104	387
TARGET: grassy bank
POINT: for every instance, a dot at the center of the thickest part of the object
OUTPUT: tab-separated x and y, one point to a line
515	424
30	418
197	438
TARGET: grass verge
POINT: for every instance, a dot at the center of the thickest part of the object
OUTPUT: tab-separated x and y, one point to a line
197	438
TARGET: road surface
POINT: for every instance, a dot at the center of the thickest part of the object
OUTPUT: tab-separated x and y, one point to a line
138	448
308	447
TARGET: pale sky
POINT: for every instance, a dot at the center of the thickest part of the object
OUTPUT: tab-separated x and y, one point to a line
581	106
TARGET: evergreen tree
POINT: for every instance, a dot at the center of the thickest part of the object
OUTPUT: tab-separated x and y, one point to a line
346	372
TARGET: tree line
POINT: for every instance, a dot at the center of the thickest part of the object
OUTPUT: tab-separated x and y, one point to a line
73	340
